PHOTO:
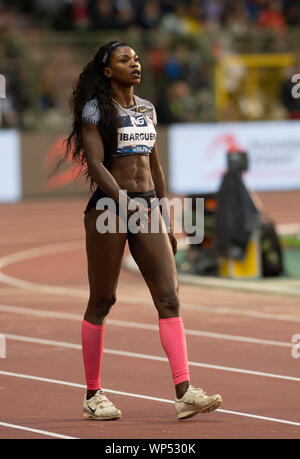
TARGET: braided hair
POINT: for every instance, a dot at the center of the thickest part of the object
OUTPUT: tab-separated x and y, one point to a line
93	84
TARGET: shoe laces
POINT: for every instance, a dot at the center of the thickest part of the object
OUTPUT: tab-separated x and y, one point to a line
102	399
196	390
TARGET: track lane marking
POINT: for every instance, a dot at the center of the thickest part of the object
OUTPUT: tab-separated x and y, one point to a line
63	344
51	249
145	326
146	397
38	431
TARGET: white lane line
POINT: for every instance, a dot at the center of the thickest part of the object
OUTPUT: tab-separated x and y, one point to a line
38	431
40	251
47	289
214	335
2	346
136	355
36	252
145	397
242	312
81	293
144	326
40	313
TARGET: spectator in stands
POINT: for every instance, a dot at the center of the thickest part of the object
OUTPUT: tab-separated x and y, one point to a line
252	9
46	98
150	14
156	58
50	8
174	103
18	82
271	16
175	22
167	6
291	12
178	62
126	15
213	10
10	117
174	16
235	17
103	14
80	14
195	17
187	18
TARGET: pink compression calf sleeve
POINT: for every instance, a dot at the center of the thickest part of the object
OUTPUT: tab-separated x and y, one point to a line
173	341
92	349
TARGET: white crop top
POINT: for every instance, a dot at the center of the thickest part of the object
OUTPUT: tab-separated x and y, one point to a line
137	134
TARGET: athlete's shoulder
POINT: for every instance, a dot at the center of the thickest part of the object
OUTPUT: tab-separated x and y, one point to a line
146	107
91	112
143	103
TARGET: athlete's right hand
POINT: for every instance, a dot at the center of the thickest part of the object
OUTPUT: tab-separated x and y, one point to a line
135	206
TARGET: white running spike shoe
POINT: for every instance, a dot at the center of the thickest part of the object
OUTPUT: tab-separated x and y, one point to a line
196	401
100	408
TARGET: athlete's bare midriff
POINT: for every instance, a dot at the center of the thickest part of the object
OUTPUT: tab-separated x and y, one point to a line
132	173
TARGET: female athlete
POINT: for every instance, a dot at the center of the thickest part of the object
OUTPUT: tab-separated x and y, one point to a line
113	138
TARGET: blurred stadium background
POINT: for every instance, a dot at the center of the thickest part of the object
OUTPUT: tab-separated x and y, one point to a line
218	71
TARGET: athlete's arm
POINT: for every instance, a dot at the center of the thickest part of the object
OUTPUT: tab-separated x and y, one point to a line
94	152
157	174
160	188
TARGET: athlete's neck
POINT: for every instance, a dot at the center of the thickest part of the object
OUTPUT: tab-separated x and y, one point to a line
124	96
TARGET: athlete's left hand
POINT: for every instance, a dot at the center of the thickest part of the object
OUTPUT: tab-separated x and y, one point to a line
173	241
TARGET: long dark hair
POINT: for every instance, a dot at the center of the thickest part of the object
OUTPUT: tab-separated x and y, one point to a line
93	84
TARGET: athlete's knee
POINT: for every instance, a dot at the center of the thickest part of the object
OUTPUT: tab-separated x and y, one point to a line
102	305
168	304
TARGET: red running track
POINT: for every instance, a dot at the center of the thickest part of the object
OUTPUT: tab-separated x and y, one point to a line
239	344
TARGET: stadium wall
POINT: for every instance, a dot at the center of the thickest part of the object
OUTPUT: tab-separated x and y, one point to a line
193	157
40	154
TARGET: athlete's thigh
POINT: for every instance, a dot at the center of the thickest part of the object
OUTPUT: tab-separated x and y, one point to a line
104	256
154	256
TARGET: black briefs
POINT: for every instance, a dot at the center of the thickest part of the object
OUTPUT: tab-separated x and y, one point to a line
98	194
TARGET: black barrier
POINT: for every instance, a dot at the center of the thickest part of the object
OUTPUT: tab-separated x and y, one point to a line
230	219
237	216
201	258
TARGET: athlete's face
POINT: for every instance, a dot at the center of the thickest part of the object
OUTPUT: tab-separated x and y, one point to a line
124	66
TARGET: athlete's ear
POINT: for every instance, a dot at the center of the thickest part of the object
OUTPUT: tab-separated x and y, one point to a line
107	72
